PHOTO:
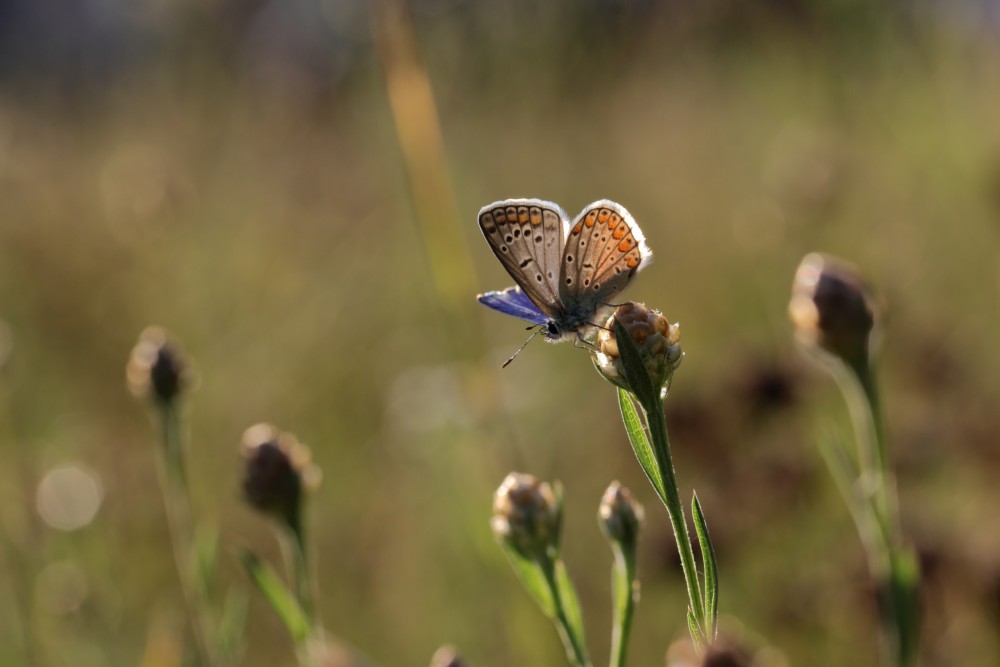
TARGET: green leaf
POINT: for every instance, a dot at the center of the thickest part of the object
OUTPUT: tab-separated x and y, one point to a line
560	494
845	474
277	595
695	631
206	552
570	603
711	568
232	623
532	578
635	370
640	443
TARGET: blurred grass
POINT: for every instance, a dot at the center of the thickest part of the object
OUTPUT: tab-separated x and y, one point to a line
269	227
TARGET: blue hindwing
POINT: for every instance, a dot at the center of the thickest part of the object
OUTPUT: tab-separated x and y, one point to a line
512	301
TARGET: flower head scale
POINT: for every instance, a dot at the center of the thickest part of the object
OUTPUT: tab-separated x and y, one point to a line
656	338
277	470
832	309
527	515
156	369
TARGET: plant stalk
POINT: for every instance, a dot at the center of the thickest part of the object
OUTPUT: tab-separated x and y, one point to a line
892	562
575	649
178	509
623	597
656	420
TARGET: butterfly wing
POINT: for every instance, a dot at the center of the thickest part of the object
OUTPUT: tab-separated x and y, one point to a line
512	301
527	236
604	249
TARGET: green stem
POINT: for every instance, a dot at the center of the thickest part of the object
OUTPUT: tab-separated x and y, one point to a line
893	563
178	509
295	546
575	649
623	596
656	420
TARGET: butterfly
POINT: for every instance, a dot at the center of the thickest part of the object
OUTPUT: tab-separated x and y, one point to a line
565	272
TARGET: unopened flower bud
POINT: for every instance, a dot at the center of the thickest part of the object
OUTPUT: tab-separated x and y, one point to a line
658	340
156	369
526	515
620	515
277	470
831	308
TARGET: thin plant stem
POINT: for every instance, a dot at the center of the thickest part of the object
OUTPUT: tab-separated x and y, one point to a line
295	547
624	594
656	420
891	561
575	649
181	527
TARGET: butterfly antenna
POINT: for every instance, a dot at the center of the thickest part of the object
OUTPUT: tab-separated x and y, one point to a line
538	330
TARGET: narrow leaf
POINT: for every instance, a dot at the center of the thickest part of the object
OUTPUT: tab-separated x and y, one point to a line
277	595
635	370
711	568
532	578
695	631
206	552
845	474
233	622
640	443
570	603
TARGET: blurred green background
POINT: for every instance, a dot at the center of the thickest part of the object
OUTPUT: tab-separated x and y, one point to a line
264	179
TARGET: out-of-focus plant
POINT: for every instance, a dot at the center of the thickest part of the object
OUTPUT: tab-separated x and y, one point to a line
158	373
277	472
620	517
835	320
638	350
527	522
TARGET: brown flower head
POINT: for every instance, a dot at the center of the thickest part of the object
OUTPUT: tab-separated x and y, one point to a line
156	369
277	470
620	515
657	339
527	515
831	308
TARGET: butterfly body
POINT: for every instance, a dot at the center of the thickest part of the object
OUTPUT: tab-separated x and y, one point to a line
565	271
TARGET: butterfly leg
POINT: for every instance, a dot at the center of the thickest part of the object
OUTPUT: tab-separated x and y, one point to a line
586	344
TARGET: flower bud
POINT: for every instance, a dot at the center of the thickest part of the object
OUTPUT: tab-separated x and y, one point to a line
156	369
657	339
277	470
526	515
831	308
620	515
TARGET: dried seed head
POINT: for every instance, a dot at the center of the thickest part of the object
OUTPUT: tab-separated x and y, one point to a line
156	369
277	468
526	515
620	515
658	340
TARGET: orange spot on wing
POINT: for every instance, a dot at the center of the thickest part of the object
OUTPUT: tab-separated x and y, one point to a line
578	228
603	215
500	217
591	217
631	262
619	233
624	246
614	220
522	215
536	216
